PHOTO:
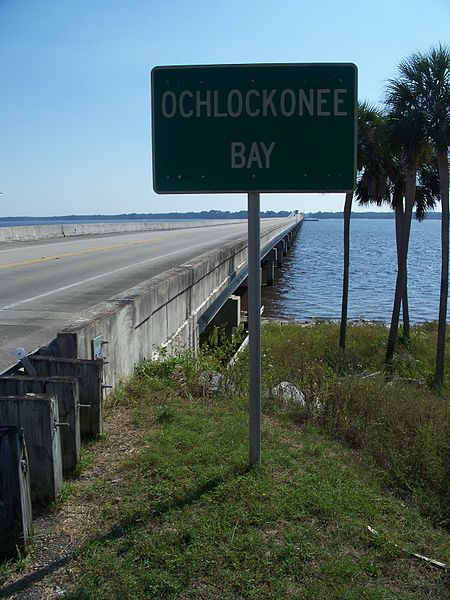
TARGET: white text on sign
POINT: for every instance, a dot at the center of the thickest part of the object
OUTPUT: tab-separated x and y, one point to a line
258	155
322	102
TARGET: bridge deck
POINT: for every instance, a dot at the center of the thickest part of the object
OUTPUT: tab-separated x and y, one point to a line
46	284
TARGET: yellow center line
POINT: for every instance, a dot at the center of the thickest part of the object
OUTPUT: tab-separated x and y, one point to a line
42	259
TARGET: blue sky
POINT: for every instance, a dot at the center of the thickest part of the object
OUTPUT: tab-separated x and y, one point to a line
75	99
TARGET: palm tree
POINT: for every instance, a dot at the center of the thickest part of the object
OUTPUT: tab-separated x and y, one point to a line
406	126
345	279
387	186
368	117
391	191
436	98
397	174
367	164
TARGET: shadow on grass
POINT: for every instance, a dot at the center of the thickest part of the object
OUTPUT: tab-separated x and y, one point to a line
123	527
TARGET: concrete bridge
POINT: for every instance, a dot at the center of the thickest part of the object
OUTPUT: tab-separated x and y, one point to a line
52	400
168	311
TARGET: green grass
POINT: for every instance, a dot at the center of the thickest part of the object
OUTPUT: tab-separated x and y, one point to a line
183	517
402	424
190	520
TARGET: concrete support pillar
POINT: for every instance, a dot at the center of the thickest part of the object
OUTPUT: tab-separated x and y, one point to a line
229	316
269	267
16	521
38	416
280	253
89	374
66	391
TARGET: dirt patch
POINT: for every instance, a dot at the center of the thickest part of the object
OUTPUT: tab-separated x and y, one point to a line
60	533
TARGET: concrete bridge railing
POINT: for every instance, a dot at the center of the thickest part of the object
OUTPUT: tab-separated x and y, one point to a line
51	231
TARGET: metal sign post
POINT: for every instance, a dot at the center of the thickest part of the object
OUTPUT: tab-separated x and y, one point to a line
254	329
271	128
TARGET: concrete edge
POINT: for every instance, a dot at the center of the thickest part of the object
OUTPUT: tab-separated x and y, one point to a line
54	231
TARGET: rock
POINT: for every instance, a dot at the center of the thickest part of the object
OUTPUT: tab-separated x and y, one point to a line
287	392
211	382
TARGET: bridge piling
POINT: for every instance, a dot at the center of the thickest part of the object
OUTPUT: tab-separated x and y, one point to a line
269	267
39	418
280	253
16	523
89	374
229	315
66	390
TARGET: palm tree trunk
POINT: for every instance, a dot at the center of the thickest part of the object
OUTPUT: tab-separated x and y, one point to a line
405	309
347	214
442	324
398	206
410	194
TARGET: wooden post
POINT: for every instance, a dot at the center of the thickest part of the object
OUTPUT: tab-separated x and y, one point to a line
89	374
38	416
16	524
67	392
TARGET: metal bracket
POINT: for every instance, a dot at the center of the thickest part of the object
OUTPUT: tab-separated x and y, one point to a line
98	351
21	355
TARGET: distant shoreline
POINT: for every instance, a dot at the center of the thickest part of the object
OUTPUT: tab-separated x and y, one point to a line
364	215
188	216
175	216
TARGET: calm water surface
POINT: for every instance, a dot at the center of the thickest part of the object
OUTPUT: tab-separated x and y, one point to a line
310	283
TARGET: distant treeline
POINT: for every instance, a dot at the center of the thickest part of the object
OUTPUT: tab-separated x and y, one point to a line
208	214
205	214
364	215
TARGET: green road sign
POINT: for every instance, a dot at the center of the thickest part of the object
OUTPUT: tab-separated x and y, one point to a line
264	128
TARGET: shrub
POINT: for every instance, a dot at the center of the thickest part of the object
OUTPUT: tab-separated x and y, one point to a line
401	424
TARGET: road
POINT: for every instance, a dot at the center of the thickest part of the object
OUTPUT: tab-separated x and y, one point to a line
45	284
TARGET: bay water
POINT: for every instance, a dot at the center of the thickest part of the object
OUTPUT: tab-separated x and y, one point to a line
309	285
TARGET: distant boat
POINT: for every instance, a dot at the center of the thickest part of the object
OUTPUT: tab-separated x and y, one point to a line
310	219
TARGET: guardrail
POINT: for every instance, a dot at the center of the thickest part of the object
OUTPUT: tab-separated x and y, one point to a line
44	232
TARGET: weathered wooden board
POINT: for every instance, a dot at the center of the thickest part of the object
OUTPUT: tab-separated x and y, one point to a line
16	521
67	392
38	416
89	374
